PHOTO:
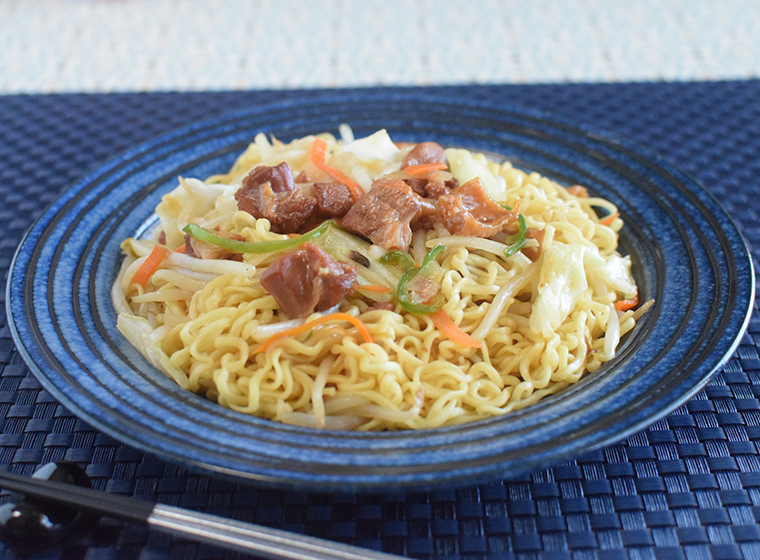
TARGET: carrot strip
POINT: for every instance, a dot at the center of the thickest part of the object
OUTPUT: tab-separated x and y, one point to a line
362	328
374	288
180	249
626	304
318	158
608	220
422	168
444	324
149	265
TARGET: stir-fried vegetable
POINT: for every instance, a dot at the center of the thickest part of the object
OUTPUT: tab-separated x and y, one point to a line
517	240
405	296
465	167
609	219
236	246
626	304
329	318
422	168
319	157
402	259
444	324
150	265
374	288
346	247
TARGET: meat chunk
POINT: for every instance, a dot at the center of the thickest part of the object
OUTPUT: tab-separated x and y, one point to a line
302	177
427	215
468	210
201	250
422	288
269	192
424	152
279	177
384	213
287	211
334	200
433	185
308	280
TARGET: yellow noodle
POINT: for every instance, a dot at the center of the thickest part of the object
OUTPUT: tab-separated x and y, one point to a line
209	317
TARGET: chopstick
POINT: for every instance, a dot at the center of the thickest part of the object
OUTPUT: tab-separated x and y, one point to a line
201	527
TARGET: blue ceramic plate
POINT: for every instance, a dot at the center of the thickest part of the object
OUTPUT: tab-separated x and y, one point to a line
688	255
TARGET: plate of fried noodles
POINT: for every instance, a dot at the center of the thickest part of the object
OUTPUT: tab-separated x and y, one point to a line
361	291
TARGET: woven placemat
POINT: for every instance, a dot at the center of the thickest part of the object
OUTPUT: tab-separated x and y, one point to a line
687	487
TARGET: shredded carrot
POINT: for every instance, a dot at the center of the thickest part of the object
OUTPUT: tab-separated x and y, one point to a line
444	324
422	168
319	156
150	265
180	249
315	323
626	304
374	288
608	220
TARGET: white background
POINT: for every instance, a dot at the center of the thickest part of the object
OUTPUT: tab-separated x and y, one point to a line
51	46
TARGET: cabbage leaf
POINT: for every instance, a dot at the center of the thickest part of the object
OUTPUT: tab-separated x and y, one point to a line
464	167
562	280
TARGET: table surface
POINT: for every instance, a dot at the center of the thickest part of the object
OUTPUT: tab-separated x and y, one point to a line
49	46
687	487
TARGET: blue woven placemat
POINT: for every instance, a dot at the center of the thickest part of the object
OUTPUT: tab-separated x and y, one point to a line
687	487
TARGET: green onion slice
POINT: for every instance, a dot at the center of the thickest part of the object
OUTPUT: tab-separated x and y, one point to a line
518	240
236	246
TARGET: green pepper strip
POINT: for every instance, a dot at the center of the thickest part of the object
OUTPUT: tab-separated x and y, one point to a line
403	294
519	239
236	246
400	258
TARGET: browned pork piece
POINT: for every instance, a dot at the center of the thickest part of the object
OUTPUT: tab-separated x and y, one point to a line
424	152
308	280
427	215
333	199
432	186
468	210
384	213
302	177
280	177
271	193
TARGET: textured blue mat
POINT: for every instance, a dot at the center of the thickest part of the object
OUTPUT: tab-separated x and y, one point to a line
688	487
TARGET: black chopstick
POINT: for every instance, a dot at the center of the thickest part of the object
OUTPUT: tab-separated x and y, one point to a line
201	527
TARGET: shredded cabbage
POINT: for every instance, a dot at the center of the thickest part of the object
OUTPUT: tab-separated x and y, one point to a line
612	273
191	199
464	167
561	282
378	146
